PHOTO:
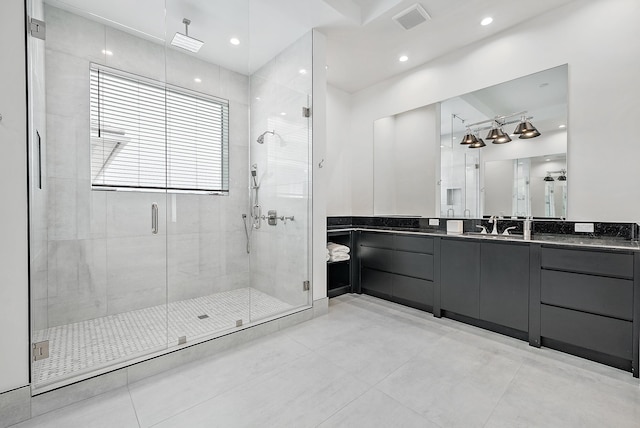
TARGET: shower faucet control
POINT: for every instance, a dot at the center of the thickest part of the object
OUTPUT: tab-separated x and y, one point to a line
272	218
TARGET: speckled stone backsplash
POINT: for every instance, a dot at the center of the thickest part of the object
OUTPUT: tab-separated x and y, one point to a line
627	231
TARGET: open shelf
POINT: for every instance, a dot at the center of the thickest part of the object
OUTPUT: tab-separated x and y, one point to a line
339	272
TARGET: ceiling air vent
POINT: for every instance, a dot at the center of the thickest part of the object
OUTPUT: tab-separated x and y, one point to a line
414	15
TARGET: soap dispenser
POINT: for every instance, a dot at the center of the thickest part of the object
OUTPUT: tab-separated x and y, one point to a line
526	228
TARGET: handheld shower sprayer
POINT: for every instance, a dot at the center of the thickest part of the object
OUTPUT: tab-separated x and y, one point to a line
254	173
260	138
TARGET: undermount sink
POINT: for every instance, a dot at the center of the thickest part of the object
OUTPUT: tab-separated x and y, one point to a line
490	236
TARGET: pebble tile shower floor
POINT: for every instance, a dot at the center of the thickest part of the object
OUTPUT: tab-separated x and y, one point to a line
78	347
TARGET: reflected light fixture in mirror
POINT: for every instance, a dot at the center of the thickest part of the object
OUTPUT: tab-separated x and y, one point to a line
494	132
501	137
530	134
563	175
524	126
469	138
478	144
548	177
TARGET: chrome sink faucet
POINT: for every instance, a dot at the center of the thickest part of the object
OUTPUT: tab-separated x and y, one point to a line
506	231
493	219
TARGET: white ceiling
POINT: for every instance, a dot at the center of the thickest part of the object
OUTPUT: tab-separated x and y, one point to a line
363	42
264	27
361	55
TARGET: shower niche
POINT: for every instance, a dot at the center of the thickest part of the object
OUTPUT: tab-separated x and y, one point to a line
136	207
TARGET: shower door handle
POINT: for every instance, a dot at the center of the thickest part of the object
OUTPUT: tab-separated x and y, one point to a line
154	218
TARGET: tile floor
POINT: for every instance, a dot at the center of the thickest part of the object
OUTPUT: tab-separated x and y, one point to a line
371	363
88	345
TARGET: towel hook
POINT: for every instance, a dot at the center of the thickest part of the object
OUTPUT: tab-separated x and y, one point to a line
321	163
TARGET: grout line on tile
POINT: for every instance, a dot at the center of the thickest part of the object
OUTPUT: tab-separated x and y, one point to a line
503	394
135	412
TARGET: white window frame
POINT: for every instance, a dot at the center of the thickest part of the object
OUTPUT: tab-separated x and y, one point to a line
168	137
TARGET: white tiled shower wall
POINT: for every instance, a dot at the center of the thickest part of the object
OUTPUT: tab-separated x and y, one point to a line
280	254
102	258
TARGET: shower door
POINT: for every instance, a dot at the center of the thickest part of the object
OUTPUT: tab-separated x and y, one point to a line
97	198
280	249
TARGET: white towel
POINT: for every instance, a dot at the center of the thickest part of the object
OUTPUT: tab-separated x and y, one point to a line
339	257
337	248
328	255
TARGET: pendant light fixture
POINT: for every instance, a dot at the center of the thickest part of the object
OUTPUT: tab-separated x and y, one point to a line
469	138
530	134
548	177
563	175
478	144
502	137
524	126
496	134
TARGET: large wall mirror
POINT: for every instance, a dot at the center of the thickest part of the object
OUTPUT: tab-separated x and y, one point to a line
422	169
518	173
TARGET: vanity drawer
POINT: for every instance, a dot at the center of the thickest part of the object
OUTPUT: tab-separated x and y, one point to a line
607	335
380	283
586	261
597	294
376	240
413	290
413	264
416	244
376	258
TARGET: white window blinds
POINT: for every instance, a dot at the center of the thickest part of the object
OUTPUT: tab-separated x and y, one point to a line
146	135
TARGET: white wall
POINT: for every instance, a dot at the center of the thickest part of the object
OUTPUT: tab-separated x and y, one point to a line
405	156
14	322
320	173
603	88
338	165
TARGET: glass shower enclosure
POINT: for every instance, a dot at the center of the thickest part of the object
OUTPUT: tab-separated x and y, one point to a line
143	235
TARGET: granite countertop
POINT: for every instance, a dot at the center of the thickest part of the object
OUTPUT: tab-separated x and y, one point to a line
555	239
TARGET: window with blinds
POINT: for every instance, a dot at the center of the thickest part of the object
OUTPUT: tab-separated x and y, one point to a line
149	136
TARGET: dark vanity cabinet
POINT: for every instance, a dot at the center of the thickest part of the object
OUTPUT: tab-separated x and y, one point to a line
397	267
504	284
486	281
460	277
586	304
583	300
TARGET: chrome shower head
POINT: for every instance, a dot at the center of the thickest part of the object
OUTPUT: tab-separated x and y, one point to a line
186	42
260	138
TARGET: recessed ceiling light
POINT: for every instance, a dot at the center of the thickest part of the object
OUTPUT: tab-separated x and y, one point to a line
197	80
326	67
234	41
302	71
257	98
548	160
107	52
284	113
562	126
403	58
486	21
